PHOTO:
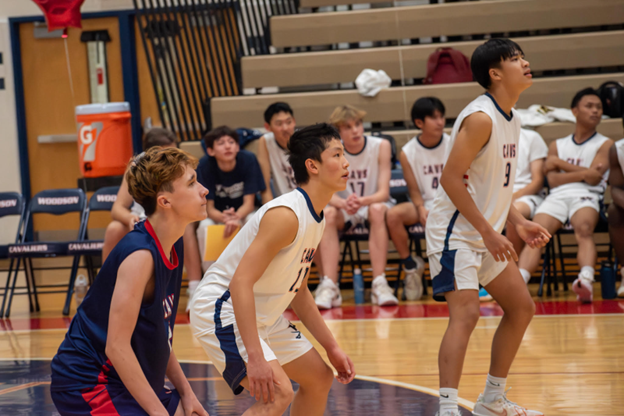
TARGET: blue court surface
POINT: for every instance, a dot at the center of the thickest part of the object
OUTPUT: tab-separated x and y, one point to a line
25	390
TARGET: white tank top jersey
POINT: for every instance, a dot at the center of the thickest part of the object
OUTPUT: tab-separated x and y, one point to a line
531	147
489	181
281	171
363	169
280	282
426	164
582	155
619	147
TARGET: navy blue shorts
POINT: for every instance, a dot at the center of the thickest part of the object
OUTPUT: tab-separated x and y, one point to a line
108	400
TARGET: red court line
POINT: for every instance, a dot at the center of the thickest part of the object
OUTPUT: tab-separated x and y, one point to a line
431	310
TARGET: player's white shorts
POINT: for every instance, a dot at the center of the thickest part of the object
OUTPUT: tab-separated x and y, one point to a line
360	217
564	206
213	324
532	201
464	267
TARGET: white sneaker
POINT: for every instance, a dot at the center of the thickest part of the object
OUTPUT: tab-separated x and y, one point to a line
583	289
327	294
449	413
502	407
620	292
383	295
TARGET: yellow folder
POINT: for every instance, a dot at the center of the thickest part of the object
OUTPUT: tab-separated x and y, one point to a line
215	243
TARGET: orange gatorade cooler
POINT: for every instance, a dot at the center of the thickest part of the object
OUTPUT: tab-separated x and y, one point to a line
104	139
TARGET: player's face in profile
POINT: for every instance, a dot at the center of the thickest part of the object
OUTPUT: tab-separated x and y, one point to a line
333	170
588	111
224	149
282	126
434	124
352	132
516	72
188	198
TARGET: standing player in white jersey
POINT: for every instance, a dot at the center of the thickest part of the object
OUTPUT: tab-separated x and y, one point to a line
464	240
279	120
616	208
528	186
366	199
422	159
236	312
577	169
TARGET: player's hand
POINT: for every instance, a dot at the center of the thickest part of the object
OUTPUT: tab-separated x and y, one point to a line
261	380
192	406
533	234
592	175
422	215
230	214
500	247
132	221
231	226
552	163
343	365
353	204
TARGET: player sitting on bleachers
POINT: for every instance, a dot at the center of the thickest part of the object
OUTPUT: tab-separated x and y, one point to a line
616	208
576	168
272	154
422	159
366	200
233	178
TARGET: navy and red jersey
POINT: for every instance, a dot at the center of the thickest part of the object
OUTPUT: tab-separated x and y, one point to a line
81	362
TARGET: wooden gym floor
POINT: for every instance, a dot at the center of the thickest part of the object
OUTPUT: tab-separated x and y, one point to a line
571	361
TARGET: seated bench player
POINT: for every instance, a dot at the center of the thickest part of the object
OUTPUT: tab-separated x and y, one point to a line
577	169
422	159
616	208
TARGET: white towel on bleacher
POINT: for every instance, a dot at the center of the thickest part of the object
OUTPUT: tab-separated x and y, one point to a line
370	82
538	115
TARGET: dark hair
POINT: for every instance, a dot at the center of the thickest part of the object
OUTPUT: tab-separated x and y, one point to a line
157	136
218	132
276	108
582	93
426	107
490	55
309	143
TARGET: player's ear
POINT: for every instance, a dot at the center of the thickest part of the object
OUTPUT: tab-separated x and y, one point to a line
162	201
419	123
312	166
495	74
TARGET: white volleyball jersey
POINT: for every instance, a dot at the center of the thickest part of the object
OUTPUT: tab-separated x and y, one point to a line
619	147
489	181
531	147
426	164
582	155
281	171
280	282
363	169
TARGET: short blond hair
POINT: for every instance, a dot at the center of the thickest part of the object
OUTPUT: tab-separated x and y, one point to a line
342	114
154	171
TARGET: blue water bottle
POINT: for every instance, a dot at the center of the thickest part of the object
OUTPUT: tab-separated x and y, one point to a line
358	286
607	280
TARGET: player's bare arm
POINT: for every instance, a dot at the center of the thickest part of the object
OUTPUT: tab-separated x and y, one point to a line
121	207
265	167
531	232
413	189
134	287
473	135
383	181
616	178
307	311
277	230
190	404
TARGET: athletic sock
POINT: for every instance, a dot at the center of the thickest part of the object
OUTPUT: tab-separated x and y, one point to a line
448	399
587	273
192	285
408	263
494	388
525	275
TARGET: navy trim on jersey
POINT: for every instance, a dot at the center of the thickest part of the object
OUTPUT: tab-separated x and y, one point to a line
449	230
500	110
581	144
360	152
445	280
432	147
311	207
235	369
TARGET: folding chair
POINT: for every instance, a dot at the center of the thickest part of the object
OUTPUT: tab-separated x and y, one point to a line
55	202
102	200
13	204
